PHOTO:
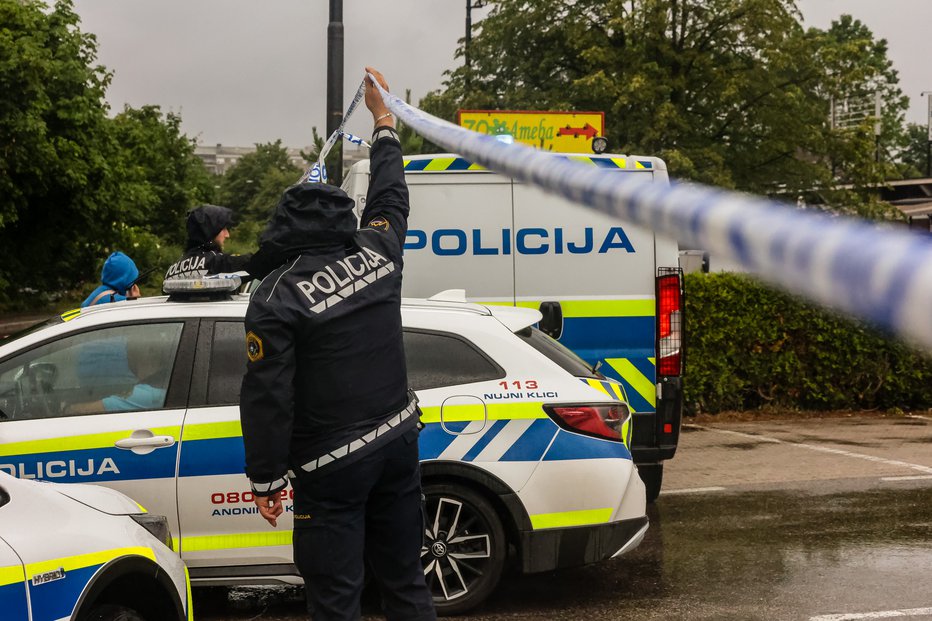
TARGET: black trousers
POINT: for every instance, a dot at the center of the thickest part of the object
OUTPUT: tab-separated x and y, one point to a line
372	509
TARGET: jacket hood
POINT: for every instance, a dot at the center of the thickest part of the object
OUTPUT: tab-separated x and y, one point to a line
312	217
205	222
119	272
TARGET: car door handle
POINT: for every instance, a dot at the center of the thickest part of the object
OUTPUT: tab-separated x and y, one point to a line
143	441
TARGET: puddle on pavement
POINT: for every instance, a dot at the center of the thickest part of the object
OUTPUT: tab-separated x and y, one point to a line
754	555
749	554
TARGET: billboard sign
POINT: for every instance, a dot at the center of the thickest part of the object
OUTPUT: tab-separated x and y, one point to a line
563	132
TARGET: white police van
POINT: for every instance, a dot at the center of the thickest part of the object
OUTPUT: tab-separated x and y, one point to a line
84	552
524	446
609	291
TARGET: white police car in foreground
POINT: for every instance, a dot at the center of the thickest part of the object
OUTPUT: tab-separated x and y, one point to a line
523	444
85	553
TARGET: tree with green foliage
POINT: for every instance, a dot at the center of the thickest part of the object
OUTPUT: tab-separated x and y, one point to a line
162	178
912	159
729	92
58	186
856	69
74	183
244	182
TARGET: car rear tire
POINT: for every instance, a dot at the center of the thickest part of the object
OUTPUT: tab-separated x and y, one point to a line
111	612
464	548
652	475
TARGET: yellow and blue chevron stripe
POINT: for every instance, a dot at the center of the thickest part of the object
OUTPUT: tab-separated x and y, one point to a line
620	333
459	164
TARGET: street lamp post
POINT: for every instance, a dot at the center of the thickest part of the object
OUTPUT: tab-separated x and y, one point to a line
928	96
335	83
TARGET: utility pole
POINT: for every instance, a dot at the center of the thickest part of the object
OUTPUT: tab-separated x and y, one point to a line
335	84
928	96
470	5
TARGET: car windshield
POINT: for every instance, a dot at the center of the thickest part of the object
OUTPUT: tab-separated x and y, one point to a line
559	354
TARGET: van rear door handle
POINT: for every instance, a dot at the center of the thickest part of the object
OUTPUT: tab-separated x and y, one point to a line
143	442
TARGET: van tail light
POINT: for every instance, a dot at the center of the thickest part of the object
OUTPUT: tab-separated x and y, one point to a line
602	420
670	309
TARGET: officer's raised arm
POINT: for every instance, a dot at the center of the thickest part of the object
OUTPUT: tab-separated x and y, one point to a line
387	200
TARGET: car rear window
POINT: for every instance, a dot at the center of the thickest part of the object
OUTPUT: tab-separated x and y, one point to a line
437	359
561	355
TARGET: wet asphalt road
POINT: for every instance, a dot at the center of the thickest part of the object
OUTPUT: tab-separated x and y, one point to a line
824	520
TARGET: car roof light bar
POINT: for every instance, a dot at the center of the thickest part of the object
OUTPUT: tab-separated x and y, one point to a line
185	288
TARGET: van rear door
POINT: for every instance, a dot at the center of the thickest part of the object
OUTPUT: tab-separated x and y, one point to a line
602	272
459	234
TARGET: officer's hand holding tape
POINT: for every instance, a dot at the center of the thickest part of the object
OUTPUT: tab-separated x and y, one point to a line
380	114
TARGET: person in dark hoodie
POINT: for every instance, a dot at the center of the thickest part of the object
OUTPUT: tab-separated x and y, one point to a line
325	399
208	229
118	281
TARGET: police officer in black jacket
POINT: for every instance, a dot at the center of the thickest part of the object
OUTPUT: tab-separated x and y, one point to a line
207	231
325	401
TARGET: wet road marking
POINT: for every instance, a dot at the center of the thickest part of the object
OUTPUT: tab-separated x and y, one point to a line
692	490
821	449
882	614
918	477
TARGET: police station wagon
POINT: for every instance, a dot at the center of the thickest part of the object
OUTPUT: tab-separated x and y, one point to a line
524	447
84	552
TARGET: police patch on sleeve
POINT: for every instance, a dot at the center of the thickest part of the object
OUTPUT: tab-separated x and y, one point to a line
379	223
254	347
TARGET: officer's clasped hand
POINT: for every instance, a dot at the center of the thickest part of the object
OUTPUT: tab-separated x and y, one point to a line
270	507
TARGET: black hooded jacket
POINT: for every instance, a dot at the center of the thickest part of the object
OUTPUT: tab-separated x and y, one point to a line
203	256
323	330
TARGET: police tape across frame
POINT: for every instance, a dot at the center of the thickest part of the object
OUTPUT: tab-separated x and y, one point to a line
317	172
872	272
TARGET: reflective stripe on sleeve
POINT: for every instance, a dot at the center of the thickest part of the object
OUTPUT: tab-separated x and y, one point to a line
266	489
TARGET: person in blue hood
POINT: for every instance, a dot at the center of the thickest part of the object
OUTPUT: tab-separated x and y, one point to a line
118	278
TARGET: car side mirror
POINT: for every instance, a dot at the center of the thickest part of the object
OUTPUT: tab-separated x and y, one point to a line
551	323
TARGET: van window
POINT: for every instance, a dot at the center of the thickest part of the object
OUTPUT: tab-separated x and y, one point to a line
561	355
435	360
227	363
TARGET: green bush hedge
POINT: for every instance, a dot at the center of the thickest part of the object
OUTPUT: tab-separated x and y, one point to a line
749	347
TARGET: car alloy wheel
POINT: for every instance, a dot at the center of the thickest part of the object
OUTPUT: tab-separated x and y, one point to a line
464	548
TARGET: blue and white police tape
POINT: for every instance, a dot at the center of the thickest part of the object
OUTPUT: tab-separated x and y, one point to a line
317	173
874	272
355	140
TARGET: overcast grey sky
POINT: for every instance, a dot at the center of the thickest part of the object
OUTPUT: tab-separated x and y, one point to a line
242	71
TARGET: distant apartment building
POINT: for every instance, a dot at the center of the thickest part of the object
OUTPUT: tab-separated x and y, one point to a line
220	158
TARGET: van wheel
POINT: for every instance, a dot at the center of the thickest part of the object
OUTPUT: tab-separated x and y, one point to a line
111	612
464	548
652	475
